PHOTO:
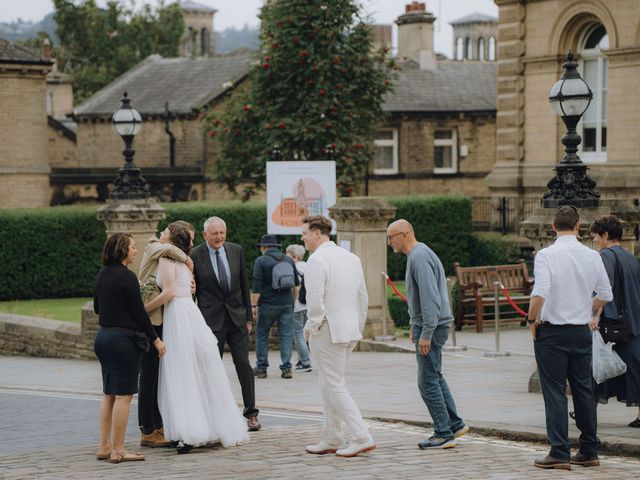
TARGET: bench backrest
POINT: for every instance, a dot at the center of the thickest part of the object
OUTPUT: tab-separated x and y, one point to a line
513	277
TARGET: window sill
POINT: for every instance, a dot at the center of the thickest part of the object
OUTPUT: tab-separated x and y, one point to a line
385	172
593	158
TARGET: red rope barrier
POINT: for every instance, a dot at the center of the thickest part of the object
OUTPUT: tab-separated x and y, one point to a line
511	302
395	289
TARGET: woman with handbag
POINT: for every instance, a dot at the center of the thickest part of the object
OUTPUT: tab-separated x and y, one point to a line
619	321
125	331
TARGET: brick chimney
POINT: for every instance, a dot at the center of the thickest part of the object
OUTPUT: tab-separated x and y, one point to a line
415	36
46	49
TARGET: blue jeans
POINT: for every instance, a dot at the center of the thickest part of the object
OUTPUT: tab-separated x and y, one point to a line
267	314
299	321
433	387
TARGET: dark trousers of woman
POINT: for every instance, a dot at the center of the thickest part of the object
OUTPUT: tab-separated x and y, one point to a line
563	352
149	417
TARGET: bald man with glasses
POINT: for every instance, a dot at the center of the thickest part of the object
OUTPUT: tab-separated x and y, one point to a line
430	319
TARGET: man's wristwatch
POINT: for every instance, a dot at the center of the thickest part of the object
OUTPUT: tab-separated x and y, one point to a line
531	321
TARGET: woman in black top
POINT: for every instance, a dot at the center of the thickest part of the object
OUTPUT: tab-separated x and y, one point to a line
607	233
122	318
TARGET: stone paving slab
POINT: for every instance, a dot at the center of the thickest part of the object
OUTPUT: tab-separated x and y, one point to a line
278	453
491	393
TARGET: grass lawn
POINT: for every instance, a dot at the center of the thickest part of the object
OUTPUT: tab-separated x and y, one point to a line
65	309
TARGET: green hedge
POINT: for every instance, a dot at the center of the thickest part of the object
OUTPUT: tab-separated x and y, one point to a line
399	311
49	252
55	252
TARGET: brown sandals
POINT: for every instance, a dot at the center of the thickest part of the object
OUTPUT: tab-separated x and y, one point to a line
125	456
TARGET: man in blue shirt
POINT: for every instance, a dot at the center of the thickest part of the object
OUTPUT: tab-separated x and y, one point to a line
430	318
274	305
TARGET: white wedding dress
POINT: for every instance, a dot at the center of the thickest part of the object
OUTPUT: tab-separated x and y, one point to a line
194	395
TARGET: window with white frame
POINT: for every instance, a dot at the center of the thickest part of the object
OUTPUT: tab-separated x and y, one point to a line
385	161
593	125
445	152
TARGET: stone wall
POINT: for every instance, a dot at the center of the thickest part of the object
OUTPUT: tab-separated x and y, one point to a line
24	164
416	155
38	337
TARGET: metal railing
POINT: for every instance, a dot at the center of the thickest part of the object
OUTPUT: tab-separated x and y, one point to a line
501	214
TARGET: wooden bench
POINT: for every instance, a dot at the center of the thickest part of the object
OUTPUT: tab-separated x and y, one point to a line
476	290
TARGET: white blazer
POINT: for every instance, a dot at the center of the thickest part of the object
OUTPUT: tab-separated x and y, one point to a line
336	291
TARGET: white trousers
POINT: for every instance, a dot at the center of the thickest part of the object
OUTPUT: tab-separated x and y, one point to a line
330	359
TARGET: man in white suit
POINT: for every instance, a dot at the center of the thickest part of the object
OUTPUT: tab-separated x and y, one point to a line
337	311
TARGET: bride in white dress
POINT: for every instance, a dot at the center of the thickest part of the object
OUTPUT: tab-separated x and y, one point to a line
194	395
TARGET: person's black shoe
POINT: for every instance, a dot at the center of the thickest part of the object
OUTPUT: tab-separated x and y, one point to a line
184	448
580	459
259	373
551	462
286	373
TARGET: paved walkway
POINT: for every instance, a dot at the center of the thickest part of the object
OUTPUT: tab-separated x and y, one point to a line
491	393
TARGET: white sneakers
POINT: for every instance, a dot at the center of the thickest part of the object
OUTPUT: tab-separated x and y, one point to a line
322	448
351	450
356	448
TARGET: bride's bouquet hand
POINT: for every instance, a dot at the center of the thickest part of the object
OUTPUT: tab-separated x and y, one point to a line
160	347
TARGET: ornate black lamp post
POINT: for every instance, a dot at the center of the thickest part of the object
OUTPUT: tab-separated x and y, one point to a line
570	97
129	184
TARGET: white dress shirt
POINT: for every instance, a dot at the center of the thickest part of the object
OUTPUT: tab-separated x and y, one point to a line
567	274
336	291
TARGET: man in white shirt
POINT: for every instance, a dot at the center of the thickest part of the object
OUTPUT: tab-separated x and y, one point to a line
566	275
337	310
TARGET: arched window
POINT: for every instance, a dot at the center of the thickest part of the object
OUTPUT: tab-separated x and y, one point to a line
594	64
459	49
481	49
492	49
469	49
204	42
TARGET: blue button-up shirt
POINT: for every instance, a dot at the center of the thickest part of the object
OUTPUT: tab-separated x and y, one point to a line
225	263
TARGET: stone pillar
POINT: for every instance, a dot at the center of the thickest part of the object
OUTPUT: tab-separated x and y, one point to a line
139	218
362	227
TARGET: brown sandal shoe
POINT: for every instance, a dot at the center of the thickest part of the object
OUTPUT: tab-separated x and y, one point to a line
126	456
103	456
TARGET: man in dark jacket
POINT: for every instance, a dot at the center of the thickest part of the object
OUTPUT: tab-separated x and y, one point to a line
222	290
274	305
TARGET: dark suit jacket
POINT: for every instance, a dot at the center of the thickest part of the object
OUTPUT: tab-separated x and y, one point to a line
212	301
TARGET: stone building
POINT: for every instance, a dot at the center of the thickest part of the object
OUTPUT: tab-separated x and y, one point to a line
474	37
198	39
24	164
533	41
169	93
439	136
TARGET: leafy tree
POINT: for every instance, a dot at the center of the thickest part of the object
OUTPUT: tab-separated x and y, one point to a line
318	83
97	45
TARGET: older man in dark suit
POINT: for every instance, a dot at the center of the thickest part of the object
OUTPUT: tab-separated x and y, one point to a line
222	290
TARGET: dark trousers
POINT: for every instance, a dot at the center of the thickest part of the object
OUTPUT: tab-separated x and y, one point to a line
563	352
238	340
149	418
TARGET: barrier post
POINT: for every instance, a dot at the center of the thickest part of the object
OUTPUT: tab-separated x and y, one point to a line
384	337
496	306
454	347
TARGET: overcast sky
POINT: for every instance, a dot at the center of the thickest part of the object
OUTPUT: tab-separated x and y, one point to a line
236	13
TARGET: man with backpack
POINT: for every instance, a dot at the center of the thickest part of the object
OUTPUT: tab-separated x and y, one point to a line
274	279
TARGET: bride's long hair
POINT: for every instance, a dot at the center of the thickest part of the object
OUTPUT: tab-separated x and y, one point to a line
180	237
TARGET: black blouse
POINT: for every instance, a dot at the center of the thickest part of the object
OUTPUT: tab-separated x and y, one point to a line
117	300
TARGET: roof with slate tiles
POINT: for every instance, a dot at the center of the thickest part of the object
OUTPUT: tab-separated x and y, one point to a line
12	53
187	84
453	87
475	17
188	5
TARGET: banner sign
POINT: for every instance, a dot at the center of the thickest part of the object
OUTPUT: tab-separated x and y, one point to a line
298	189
